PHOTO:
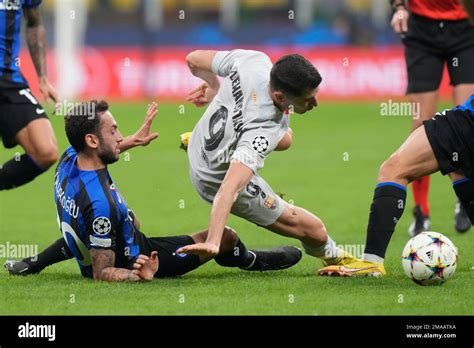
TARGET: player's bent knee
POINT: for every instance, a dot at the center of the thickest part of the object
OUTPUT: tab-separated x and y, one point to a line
229	238
390	169
46	156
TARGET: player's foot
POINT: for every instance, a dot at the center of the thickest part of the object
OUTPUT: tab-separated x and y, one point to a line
462	223
275	259
185	140
17	267
354	269
345	259
421	223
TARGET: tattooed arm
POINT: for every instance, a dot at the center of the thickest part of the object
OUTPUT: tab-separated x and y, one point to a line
103	267
36	39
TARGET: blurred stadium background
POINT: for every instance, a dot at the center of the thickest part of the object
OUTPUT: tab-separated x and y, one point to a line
132	49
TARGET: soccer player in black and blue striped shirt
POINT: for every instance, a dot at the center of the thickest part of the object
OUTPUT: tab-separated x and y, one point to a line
23	121
103	234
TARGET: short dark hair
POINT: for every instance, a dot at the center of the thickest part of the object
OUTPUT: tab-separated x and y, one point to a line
294	75
84	119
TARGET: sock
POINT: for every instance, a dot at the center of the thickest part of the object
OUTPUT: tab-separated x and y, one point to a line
464	189
329	252
387	208
15	172
420	194
239	256
57	252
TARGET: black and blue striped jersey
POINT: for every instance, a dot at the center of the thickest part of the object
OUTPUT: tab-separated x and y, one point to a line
11	12
92	213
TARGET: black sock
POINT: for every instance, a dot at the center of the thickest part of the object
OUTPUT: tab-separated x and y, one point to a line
239	256
17	172
387	208
56	252
464	189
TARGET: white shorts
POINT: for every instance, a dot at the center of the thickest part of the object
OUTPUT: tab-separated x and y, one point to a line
257	203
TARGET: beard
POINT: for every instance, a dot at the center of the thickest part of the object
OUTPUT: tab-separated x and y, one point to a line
108	155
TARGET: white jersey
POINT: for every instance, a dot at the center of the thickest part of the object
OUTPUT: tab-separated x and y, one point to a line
241	122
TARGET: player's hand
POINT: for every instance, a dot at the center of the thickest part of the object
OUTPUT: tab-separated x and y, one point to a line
202	95
143	136
47	90
400	20
145	267
200	249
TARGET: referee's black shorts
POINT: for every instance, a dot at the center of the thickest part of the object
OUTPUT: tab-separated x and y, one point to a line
430	44
451	136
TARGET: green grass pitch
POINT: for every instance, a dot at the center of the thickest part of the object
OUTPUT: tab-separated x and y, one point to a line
330	170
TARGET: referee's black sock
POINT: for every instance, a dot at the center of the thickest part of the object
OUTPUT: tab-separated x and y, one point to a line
56	252
387	208
239	256
464	189
19	171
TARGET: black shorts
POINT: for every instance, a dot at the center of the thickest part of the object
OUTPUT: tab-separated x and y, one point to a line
18	107
429	44
451	136
171	264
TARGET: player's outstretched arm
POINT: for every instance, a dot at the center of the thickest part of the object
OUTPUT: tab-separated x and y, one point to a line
143	136
103	261
236	179
200	64
36	40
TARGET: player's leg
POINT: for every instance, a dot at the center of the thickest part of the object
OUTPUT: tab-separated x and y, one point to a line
56	252
460	43
461	92
233	253
412	160
426	102
424	58
298	223
41	151
259	204
464	189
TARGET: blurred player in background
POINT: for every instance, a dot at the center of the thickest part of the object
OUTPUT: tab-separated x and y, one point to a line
247	119
23	121
434	33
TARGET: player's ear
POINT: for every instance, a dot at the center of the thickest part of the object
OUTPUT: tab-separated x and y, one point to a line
92	141
279	97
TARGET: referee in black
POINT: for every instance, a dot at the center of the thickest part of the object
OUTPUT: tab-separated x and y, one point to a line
435	33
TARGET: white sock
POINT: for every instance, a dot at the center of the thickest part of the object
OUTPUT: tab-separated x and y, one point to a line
328	251
372	258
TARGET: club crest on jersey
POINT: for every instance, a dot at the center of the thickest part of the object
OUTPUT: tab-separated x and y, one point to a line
271	203
101	225
260	144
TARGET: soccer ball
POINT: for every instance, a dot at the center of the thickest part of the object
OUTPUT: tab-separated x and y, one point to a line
429	258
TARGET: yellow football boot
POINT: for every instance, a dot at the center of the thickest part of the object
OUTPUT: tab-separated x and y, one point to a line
357	268
185	140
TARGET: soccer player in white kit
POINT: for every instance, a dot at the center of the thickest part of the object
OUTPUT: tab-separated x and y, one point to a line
247	119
